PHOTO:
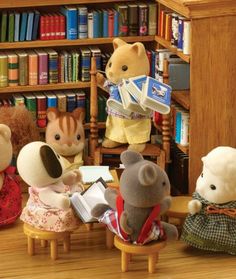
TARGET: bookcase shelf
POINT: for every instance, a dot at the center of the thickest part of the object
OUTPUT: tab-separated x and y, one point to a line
79	42
168	45
182	98
54	86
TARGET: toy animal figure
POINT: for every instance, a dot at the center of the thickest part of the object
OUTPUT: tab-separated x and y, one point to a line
144	196
211	223
65	134
10	191
48	207
127	60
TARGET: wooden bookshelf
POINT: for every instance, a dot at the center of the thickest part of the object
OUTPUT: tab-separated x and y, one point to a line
64	43
182	98
45	87
184	149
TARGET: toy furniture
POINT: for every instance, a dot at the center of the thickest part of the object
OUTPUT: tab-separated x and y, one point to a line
45	236
127	250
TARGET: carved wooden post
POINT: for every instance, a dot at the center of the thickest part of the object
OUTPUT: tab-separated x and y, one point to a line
166	135
93	141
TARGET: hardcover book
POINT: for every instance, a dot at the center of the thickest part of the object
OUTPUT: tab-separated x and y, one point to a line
96	23
152	19
71	15
82	22
51	100
13	69
29	29
41	113
84	202
110	23
179	75
23	67
135	86
52	66
85	63
133	19
30	103
80	99
143	19
71	101
33	67
42	31
3	26
35	25
116	23
90	25
156	95
42	66
123	19
17	27
3	70
18	100
61	101
23	26
62	24
105	23
11	26
96	52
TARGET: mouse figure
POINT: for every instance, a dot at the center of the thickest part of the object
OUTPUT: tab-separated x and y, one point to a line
211	222
134	213
48	207
65	134
127	60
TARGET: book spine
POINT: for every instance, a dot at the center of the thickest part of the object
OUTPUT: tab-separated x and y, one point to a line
17	27
178	126
100	23
71	102
18	100
143	20
105	23
23	26
80	98
90	25
43	68
11	24
116	23
23	69
4	27
33	69
133	20
168	27
184	133
61	102
85	67
69	68
30	104
174	30
95	24
123	20
52	27
47	27
35	25
71	23
181	32
13	70
57	26
29	29
51	101
53	68
82	22
61	68
42	28
41	112
62	23
3	71
110	23
187	37
152	19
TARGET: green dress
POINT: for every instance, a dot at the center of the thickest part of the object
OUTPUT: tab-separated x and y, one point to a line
215	231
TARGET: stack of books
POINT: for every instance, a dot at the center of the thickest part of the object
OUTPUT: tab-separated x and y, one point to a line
141	94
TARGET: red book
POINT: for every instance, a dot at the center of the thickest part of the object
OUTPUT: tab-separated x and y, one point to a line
42	32
57	26
41	113
110	23
62	23
47	27
52	27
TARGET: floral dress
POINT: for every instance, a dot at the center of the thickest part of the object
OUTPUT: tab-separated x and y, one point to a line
44	217
213	228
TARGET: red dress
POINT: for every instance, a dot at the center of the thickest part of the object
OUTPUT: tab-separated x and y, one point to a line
10	198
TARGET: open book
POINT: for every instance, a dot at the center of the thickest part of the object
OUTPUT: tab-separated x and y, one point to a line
84	202
91	173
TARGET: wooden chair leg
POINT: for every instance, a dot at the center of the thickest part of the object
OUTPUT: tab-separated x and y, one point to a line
124	261
43	243
66	244
161	161
53	249
97	158
151	263
31	246
109	239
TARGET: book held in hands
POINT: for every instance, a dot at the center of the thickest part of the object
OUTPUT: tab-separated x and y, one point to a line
84	202
91	173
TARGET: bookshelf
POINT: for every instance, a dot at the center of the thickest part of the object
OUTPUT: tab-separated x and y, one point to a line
211	100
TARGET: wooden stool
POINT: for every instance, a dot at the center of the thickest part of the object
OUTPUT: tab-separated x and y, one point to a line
179	208
127	249
45	236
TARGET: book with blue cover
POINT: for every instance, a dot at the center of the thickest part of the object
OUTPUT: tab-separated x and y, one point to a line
71	15
23	26
17	27
116	23
105	23
51	100
156	95
29	28
95	24
82	22
115	102
35	25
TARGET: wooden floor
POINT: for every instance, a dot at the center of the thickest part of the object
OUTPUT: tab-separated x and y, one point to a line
89	258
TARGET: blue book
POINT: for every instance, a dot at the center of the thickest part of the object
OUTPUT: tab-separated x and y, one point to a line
115	103
179	76
180	33
51	100
153	59
82	22
156	95
135	86
116	23
178	121
29	29
17	27
71	101
71	15
85	63
95	24
35	25
23	26
105	23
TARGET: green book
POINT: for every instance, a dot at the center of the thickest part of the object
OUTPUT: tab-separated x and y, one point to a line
23	67
30	103
4	27
11	27
3	70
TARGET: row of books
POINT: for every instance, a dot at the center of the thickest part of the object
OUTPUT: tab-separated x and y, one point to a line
176	29
180	124
141	94
46	66
65	101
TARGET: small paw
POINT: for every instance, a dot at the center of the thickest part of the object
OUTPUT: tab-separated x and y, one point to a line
194	206
64	202
72	177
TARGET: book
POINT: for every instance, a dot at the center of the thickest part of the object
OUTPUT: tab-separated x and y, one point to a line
35	25
47	26
133	19
51	100
105	23
156	95
96	52
123	19
33	67
174	30
85	64
75	65
116	23
143	19
23	26
3	70
57	26
62	25
152	19
110	23
96	23
82	22
41	112
71	101
52	66
11	26
187	37
13	69
90	24
179	75
91	173
17	27
30	103
42	32
18	99
23	67
42	66
52	27
71	15
3	26
135	86
84	202
61	101
29	29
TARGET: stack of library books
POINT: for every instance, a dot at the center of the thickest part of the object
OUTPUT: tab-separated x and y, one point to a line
141	94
